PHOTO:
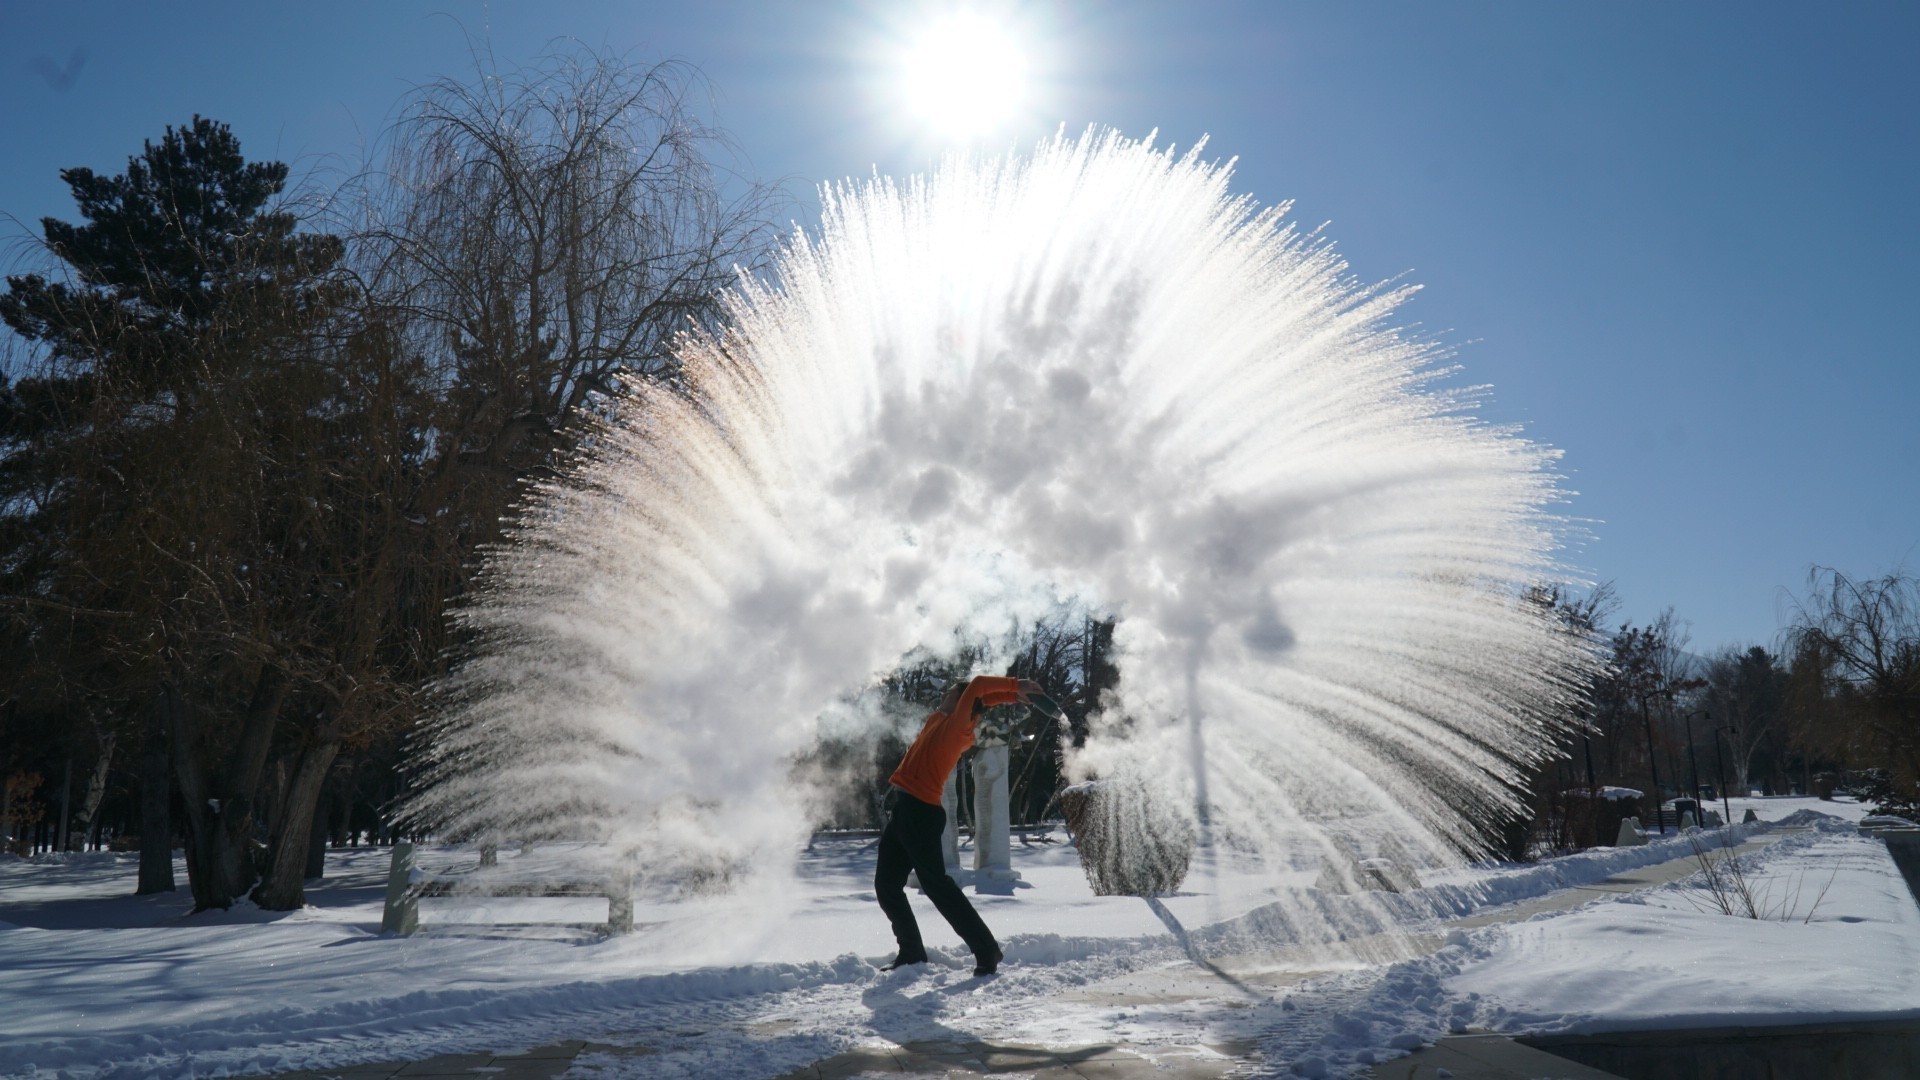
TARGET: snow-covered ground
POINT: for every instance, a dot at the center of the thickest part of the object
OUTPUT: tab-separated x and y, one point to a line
95	982
1839	939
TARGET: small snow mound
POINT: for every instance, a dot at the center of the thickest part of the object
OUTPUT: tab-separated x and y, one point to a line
1406	1040
1815	820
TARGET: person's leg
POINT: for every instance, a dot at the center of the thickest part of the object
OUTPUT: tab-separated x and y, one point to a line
890	888
921	838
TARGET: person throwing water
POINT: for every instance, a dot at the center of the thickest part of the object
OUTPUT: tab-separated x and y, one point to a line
915	819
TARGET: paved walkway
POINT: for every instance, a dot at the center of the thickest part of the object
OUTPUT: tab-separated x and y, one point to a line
920	1059
1109	1062
1466	1057
1469	1057
539	1064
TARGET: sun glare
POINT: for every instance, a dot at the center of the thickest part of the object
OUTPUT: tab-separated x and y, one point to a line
963	75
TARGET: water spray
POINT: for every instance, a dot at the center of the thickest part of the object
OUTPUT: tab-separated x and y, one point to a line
1092	374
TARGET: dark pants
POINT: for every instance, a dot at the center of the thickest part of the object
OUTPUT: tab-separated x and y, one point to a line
911	842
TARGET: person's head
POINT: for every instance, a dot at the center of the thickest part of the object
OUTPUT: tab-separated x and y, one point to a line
952	696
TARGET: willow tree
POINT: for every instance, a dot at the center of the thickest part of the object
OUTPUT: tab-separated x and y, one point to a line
538	232
1856	648
533	239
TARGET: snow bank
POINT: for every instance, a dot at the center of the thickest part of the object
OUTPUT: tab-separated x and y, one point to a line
1843	944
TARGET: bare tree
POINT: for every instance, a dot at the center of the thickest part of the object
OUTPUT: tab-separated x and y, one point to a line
1857	651
536	238
1648	674
538	232
1563	791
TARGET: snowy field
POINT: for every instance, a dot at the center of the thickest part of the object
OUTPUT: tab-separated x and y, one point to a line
95	982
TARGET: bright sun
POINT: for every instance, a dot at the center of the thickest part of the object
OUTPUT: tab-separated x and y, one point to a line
963	75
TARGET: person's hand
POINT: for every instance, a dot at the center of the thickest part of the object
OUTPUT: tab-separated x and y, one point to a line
1028	688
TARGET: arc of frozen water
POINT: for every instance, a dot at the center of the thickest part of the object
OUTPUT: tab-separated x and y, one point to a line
1091	373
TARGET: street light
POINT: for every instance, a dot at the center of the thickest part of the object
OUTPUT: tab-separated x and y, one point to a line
1652	766
1693	760
1721	762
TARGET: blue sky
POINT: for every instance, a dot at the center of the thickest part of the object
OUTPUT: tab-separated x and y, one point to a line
1676	240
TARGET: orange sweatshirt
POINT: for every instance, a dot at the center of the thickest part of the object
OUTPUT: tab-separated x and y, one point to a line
946	735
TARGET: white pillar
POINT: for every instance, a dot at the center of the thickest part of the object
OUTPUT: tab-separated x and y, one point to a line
992	820
402	914
950	836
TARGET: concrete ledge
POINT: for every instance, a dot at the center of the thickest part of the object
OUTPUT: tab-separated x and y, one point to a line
1904	847
1866	1050
1486	1057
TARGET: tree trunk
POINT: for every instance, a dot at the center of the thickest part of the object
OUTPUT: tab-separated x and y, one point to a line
317	847
266	803
221	866
220	862
287	862
156	820
343	834
211	869
322	831
96	790
63	830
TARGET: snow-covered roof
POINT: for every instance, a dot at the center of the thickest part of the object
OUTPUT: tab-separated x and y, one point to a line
1608	792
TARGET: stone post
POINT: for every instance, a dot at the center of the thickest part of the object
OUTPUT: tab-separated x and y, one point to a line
950	836
402	915
620	898
992	822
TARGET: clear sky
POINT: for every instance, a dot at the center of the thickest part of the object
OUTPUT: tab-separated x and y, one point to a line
1676	240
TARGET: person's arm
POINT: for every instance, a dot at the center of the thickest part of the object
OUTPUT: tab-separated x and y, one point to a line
949	700
993	690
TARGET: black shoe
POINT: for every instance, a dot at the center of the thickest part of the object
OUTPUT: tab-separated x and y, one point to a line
988	962
903	961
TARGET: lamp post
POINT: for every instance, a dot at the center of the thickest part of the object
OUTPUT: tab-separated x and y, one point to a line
1720	762
1593	794
1652	766
1693	760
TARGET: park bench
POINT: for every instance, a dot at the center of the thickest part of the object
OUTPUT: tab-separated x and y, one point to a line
407	883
